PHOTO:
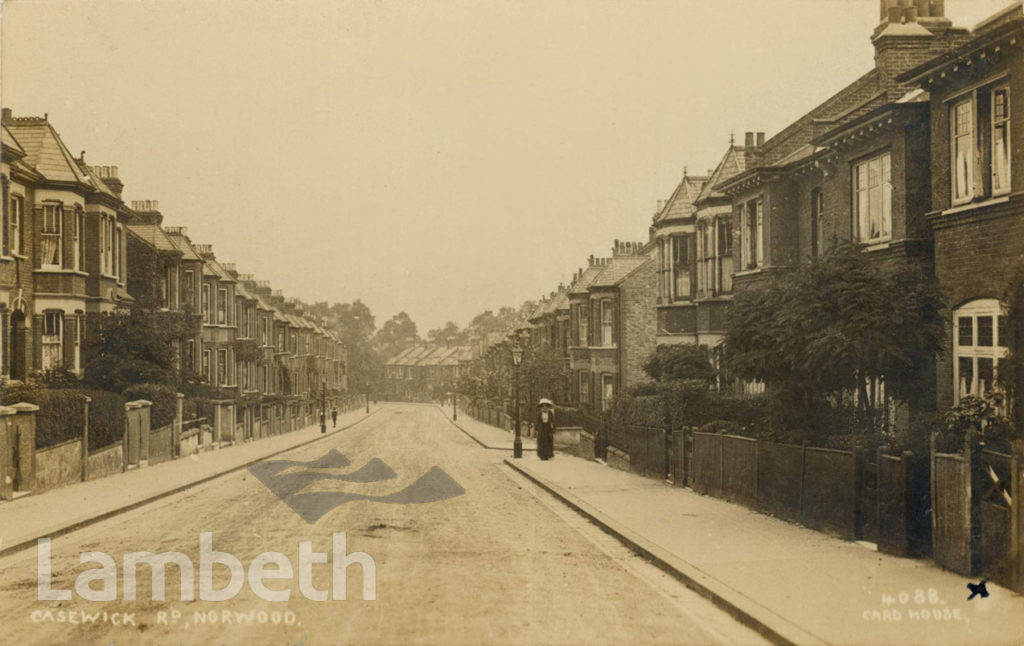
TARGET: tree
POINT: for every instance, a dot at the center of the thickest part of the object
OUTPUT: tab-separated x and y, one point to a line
821	333
396	335
448	335
355	326
675	362
135	346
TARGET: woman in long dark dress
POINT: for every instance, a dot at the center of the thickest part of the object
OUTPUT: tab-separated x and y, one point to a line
546	429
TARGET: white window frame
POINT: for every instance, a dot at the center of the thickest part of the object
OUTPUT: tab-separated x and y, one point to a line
222	306
584	383
973	310
582	324
675	242
206	305
1001	182
56	212
752	234
52	339
16	225
865	192
963	153
607	311
78	241
607	390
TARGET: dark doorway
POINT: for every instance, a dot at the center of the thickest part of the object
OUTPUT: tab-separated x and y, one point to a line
17	346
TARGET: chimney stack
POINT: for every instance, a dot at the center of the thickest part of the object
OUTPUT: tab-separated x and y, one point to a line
8	114
760	139
109	176
748	141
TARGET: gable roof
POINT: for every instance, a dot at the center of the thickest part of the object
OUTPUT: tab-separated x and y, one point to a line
680	205
733	163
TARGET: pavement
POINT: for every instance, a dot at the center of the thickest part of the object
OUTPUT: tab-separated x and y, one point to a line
792	584
55	512
487	436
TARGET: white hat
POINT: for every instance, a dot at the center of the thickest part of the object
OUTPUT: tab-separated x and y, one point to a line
546	401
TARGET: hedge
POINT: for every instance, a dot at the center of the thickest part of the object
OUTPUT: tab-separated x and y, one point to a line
60	412
164	399
106	418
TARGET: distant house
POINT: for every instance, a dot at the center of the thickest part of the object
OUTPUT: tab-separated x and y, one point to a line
425	372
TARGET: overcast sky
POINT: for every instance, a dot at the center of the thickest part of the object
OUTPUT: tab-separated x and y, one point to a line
437	157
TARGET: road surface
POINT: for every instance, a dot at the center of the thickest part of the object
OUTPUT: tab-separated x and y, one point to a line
464	550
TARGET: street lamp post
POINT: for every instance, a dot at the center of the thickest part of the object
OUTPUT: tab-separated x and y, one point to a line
517	359
323	406
367	403
455	407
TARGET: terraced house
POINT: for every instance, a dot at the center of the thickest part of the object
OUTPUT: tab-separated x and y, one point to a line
974	201
614	323
64	249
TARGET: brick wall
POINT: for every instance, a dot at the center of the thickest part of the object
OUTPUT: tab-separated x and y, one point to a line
638	294
976	256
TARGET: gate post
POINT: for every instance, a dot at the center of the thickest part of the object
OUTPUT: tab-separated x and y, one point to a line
85	437
6	453
176	428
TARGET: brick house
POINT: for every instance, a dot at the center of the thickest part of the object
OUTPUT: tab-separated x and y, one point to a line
674	231
613	323
694	239
219	329
17	287
68	227
190	287
855	168
976	213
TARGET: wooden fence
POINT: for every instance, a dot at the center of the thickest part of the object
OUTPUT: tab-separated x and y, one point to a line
978	512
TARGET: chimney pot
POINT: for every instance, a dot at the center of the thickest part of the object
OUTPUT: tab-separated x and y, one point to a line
760	139
749	140
8	114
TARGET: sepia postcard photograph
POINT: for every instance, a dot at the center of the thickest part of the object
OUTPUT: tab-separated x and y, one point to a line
512	322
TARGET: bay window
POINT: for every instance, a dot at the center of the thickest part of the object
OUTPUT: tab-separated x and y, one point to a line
872	198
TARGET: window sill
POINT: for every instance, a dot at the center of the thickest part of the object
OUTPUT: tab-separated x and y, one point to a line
749	272
970	206
873	245
59	270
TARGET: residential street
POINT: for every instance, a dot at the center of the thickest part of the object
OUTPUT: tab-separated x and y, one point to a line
501	563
